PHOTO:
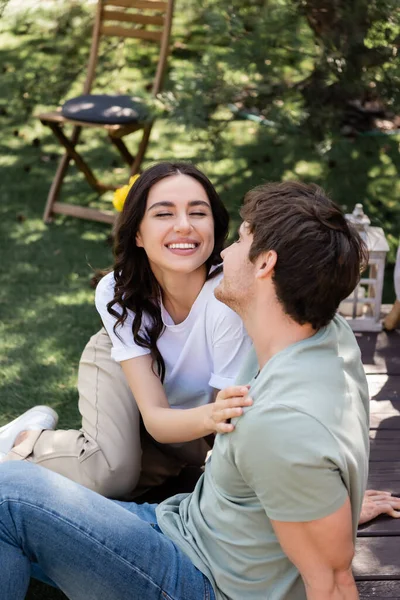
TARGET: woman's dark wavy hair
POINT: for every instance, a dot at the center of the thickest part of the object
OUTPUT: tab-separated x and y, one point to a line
136	288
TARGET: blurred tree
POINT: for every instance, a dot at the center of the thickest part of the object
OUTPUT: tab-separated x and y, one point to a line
3	4
330	64
357	74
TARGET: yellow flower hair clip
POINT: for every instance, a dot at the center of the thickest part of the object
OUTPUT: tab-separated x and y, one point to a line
121	193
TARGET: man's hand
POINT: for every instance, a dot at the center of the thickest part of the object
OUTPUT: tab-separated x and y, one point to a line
228	404
379	503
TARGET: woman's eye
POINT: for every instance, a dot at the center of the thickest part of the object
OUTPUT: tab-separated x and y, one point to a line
165	214
198	214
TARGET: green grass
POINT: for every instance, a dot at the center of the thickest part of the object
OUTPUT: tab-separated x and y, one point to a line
46	302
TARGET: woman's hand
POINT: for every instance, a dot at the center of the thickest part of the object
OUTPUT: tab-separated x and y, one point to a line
228	404
378	503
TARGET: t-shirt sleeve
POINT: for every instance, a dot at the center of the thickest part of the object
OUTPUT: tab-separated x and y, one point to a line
123	347
230	345
292	463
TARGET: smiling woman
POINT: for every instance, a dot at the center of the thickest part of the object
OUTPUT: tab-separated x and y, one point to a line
178	222
149	380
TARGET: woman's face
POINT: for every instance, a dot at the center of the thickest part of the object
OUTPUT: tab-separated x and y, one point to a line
177	229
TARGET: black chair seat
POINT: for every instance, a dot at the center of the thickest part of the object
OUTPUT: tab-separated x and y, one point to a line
105	108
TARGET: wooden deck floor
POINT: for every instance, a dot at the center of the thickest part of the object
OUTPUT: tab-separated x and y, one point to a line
377	561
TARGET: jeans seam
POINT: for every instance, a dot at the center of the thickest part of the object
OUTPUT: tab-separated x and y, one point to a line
207	595
93	539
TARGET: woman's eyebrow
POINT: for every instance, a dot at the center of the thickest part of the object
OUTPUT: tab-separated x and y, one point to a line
161	203
199	203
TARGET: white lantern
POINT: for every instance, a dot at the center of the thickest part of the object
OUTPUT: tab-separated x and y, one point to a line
363	307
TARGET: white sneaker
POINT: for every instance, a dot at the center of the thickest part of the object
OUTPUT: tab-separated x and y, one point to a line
38	417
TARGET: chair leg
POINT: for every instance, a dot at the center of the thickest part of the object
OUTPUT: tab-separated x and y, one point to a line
122	149
69	145
55	187
59	177
142	149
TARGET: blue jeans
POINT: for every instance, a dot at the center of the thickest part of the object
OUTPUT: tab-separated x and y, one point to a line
90	547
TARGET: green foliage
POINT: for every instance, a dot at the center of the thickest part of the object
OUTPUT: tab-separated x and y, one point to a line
299	63
53	49
250	51
52	54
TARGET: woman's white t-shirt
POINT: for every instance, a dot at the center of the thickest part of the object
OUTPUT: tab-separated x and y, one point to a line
202	353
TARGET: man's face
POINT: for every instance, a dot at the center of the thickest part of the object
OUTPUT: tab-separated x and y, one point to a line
237	286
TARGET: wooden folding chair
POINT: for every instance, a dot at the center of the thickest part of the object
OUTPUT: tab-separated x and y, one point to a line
117	115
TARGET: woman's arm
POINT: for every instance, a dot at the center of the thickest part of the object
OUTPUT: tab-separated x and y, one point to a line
169	425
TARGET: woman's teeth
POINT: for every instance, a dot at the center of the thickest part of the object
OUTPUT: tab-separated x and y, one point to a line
181	246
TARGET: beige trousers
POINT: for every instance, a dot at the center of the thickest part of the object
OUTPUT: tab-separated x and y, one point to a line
112	453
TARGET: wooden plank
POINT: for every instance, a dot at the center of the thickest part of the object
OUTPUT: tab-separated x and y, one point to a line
142	34
377	558
367	343
383	420
385	444
92	214
54	115
385	407
377	482
381	526
117	15
384	414
380	352
384	476
379	590
144	4
377	562
384	387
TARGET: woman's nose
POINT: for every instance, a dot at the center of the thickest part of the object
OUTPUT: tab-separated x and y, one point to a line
183	224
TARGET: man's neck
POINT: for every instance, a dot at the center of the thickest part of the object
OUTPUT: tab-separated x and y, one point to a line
272	331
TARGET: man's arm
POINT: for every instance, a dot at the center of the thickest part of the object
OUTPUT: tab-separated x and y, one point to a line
322	551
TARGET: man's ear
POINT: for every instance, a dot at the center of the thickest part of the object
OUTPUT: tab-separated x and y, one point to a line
265	264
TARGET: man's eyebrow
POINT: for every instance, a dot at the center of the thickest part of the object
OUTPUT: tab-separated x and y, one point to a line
169	204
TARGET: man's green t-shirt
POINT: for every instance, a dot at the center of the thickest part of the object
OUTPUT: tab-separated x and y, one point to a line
295	455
